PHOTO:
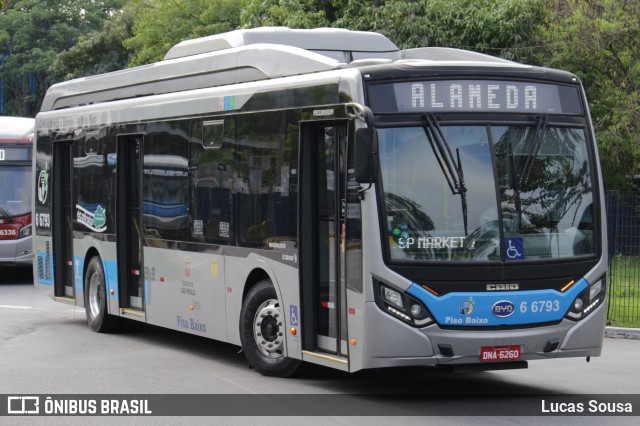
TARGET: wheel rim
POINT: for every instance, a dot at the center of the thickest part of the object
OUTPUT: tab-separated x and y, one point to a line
267	325
95	294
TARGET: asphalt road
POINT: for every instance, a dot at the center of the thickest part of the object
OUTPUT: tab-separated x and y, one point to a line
47	348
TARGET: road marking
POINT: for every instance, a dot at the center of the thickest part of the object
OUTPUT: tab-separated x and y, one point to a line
16	307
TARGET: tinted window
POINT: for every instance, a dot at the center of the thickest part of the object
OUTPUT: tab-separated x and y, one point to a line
90	183
165	181
266	183
213	178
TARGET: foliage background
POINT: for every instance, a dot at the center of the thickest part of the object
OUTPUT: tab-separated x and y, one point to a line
47	41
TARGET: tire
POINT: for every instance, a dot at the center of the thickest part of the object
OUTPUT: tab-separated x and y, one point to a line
95	299
262	332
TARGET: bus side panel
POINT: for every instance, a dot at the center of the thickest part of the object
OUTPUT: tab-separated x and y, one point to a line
42	244
185	291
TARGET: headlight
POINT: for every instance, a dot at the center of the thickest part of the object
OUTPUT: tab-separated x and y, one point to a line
392	296
400	305
588	300
25	232
595	290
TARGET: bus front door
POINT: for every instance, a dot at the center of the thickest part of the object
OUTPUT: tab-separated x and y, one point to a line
321	230
62	219
128	220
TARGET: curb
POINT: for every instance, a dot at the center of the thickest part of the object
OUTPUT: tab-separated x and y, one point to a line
622	333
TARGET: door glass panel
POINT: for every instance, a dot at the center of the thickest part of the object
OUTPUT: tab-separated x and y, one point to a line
327	233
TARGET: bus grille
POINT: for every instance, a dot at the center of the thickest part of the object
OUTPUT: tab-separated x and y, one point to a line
40	266
44	264
47	262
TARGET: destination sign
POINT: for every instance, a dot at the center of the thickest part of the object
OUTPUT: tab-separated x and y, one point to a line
15	154
486	96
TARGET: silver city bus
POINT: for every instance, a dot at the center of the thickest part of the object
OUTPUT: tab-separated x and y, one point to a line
322	196
16	146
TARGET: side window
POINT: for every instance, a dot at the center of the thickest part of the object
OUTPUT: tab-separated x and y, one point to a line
213	134
90	188
165	181
213	177
267	178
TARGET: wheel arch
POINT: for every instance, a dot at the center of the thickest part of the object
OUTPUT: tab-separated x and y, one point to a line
91	252
255	276
235	296
286	365
258	273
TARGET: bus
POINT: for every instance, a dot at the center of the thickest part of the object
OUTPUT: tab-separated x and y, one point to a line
16	146
322	196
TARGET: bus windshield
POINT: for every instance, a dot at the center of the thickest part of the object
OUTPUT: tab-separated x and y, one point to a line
536	205
15	196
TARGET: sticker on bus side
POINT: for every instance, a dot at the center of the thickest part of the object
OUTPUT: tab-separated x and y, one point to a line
293	314
95	221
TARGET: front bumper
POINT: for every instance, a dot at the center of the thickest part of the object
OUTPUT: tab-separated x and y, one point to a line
391	343
16	252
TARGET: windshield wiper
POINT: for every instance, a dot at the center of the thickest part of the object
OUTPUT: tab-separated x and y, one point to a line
6	215
535	149
451	166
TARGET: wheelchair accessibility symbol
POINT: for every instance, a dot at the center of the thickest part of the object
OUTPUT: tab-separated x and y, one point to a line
515	248
293	314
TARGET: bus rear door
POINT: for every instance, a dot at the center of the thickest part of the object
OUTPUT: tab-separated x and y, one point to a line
62	219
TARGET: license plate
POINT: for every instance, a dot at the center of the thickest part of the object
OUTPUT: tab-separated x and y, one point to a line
500	353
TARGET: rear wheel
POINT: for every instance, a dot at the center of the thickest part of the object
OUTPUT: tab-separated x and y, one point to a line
262	332
95	299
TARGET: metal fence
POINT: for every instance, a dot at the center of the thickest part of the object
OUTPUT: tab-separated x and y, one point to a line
623	226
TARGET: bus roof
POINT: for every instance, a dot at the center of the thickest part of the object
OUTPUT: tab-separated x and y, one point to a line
320	39
252	55
14	129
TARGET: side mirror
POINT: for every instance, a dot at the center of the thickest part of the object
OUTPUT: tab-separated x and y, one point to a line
366	155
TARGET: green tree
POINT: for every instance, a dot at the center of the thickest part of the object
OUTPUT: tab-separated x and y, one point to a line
498	27
32	33
290	13
598	40
161	24
99	51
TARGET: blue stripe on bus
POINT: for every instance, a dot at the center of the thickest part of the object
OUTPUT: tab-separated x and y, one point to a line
164	210
78	278
482	309
111	276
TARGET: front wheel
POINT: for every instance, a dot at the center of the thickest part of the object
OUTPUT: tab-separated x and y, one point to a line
262	332
95	299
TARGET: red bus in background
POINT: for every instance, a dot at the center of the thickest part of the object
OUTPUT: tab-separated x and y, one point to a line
16	147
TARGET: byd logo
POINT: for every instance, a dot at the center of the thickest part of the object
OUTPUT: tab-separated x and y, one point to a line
503	309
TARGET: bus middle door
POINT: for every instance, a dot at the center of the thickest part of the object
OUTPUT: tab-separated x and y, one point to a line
128	223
